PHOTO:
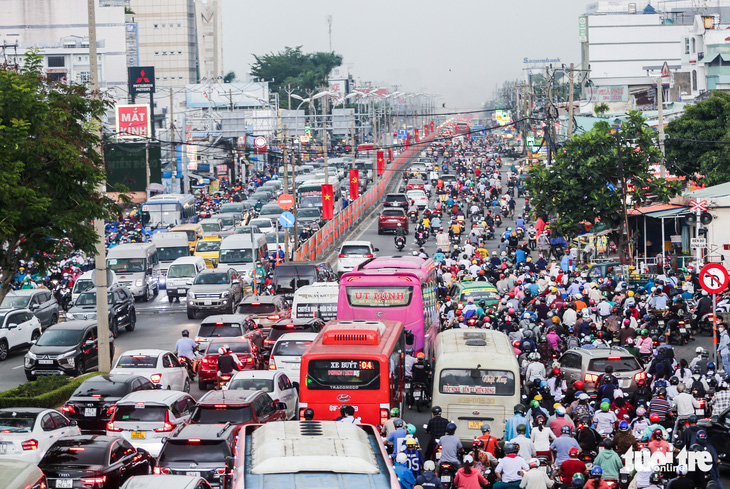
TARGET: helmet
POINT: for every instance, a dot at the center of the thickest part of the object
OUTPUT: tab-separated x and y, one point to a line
560	411
578	384
692	419
221	351
420	355
485	427
556	372
411	441
436	410
534	404
401	458
556	319
607	444
309	413
578	482
630	293
644	332
662	392
605	406
533	463
520	409
597	471
429	465
565	429
623	426
398	423
710	365
682	469
702	435
573	452
674	380
410	351
510	448
450	429
654	418
395	412
699	350
655	477
640	411
657	434
185	332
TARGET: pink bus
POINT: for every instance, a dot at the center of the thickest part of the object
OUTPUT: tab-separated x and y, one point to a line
396	288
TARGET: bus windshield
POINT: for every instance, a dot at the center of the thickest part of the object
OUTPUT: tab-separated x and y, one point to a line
310	201
126	265
172	253
477	382
359	374
157	215
236	256
379	296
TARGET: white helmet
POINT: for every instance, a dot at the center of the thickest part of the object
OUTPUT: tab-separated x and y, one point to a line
221	351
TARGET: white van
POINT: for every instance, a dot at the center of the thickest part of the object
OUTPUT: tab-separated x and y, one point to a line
180	275
170	246
84	283
138	267
318	300
475	380
239	252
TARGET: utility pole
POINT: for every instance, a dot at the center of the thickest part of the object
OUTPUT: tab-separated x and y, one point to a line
324	138
352	134
173	153
286	191
660	123
547	131
623	196
294	198
570	104
102	308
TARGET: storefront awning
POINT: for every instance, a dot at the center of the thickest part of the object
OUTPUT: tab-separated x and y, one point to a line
652	210
669	212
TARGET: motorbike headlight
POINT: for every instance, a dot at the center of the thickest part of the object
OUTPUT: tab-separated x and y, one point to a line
139	282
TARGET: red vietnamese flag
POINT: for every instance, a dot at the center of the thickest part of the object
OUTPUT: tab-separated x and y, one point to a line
327	202
432	127
416	134
354	184
425	131
390	154
381	162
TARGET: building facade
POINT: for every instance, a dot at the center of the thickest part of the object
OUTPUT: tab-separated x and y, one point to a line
209	24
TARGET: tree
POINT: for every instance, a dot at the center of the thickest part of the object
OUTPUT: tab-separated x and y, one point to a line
708	120
292	67
49	169
585	182
230	77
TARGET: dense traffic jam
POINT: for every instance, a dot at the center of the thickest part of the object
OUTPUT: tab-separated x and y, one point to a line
541	365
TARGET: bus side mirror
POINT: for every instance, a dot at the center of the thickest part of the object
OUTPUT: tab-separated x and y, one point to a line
409	338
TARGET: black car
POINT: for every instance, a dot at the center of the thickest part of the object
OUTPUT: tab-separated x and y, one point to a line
283	326
68	348
93	462
396	200
121	308
91	405
204	450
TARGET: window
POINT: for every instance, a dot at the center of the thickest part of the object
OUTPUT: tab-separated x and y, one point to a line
156	26
686	45
570	361
118	453
47	423
166	361
60	421
56	62
693	45
694	79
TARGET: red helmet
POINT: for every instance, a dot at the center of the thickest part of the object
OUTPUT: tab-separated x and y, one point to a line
573	452
578	384
557	372
510	310
511	295
516	343
654	418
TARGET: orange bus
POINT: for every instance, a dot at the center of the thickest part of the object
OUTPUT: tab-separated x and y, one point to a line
358	363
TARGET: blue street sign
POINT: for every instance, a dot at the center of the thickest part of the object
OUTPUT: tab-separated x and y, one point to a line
402	134
286	220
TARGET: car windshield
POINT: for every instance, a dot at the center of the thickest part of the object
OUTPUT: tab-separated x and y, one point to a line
264	385
208	245
416	194
393	212
89	299
236	255
140	412
277	331
199	451
355	250
290	348
619	364
256	308
308	212
270	210
235	346
82	285
15	301
273	238
396	198
16	422
75	452
212	279
99	387
219	414
210	227
479	295
248	229
225	330
227	220
261	223
172	253
137	361
181	270
60	337
126	265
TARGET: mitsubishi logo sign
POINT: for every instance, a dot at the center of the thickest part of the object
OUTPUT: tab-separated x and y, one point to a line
141	79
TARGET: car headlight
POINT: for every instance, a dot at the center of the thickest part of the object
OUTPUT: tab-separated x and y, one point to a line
30	355
226	293
191	295
67	354
29	361
189	282
139	282
69	316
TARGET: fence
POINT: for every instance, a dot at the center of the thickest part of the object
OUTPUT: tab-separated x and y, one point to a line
319	243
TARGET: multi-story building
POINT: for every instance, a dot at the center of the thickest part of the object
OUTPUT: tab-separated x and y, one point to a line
59	29
167	39
209	24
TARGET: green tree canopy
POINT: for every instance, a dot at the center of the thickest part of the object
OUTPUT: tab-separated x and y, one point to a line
292	67
708	120
49	169
585	184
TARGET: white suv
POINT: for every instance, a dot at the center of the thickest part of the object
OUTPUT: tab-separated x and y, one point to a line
352	253
19	328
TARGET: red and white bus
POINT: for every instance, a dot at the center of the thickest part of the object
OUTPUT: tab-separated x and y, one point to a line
358	363
399	288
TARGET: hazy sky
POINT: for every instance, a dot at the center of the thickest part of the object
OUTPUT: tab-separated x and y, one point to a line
458	49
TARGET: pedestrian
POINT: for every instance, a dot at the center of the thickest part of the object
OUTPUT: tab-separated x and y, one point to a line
723	348
469	478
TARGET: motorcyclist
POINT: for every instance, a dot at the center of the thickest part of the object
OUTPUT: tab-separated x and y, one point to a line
186	348
400	234
436	427
451	447
421	374
227	362
258	278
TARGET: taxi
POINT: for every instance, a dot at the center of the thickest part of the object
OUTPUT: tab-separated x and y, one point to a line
461	291
194	232
208	247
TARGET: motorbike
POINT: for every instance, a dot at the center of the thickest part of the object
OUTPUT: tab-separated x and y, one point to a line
222	381
447	472
489	233
413	215
419	396
678	333
62	293
498	220
400	242
704	325
421	238
189	365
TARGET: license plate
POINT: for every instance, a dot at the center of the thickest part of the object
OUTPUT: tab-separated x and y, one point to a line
45	362
417	395
446	479
3	448
408	385
90	412
193	474
207	303
475	425
64	483
182	291
138	435
682	330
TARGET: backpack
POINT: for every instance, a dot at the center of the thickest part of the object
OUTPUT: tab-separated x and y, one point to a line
698	386
572	342
581	411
